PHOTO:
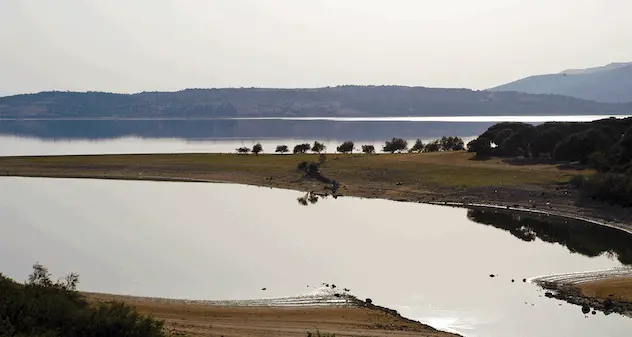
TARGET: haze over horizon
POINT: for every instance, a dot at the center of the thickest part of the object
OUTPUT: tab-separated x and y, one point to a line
167	45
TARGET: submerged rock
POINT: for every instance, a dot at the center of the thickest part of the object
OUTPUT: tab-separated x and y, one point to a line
585	309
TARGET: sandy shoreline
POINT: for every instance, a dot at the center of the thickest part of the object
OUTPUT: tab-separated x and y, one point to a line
274	317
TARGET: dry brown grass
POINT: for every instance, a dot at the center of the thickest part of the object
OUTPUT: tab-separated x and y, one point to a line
620	288
455	169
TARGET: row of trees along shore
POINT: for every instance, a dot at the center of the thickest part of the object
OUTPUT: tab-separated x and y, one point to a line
604	145
392	146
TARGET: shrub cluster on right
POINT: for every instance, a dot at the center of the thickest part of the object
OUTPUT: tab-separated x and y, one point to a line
604	145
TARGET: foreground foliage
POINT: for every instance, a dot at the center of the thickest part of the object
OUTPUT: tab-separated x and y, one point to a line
45	308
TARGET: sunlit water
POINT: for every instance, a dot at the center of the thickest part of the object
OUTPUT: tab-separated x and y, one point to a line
224	241
21	146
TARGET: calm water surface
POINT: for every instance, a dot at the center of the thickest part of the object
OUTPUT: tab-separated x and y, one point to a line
224	241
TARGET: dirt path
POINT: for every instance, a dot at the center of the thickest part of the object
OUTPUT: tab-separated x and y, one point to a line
193	318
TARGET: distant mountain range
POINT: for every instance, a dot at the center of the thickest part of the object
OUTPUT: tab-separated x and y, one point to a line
611	83
342	101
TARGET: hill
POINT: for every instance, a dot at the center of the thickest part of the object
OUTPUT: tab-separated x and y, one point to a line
342	101
611	83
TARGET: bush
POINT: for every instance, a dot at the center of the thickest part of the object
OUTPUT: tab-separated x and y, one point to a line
417	147
481	145
433	146
346	147
257	149
451	144
243	150
301	148
577	146
282	149
368	149
43	308
395	145
614	188
318	147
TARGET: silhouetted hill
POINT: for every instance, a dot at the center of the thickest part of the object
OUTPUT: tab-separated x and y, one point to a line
610	83
343	101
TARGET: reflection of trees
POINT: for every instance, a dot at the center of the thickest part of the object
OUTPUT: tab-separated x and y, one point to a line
310	198
578	236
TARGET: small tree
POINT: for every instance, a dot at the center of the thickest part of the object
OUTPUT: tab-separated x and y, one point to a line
395	144
318	147
453	143
257	148
282	149
301	148
368	149
243	150
346	147
417	147
434	146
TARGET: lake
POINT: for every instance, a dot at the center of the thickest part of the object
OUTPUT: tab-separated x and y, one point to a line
106	136
225	241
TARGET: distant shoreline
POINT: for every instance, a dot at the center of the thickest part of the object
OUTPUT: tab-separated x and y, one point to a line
465	118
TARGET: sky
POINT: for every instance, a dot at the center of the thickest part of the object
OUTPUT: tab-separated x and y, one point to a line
147	45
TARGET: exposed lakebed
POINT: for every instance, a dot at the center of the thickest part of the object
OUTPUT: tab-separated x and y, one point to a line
225	241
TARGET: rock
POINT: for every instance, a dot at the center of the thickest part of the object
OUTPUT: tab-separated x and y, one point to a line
548	294
264	288
333	286
369	301
524	280
585	309
594	312
492	275
347	290
512	280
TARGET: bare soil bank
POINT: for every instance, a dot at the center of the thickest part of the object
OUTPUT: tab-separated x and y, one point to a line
197	318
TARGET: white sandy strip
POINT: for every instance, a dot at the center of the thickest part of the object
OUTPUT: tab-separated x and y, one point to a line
584	276
319	297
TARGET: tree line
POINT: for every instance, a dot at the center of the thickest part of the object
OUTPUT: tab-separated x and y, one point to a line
395	145
604	145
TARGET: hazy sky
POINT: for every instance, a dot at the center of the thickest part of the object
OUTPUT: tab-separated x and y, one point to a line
138	45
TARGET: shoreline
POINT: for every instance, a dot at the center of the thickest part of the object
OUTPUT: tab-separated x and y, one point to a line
347	317
452	179
434	200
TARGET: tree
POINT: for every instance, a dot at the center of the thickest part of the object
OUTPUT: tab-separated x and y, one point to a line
346	147
451	144
433	146
257	148
301	148
282	149
318	147
368	149
395	145
417	147
243	150
577	146
481	145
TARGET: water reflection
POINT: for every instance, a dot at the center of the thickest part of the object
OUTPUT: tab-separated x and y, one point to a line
207	129
576	235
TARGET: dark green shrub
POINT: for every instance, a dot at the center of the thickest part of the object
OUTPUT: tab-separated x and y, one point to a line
346	147
43	308
395	145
